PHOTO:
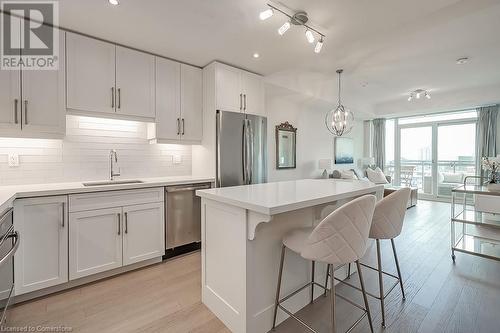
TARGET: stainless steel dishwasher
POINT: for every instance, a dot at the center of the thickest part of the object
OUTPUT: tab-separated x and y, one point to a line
183	212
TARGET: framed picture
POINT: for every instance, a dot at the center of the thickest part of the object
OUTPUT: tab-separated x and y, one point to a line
344	151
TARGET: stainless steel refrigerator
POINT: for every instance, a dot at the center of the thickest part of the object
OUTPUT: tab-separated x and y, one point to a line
241	150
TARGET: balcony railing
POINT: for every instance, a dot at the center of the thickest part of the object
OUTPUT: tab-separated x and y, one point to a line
418	173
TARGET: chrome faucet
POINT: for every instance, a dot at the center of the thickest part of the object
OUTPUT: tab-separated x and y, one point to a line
113	155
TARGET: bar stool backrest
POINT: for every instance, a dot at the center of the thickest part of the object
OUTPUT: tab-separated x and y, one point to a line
342	236
390	214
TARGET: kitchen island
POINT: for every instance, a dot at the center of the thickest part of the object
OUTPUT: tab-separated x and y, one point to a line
242	228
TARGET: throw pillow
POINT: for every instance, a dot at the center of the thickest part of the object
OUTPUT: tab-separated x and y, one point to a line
376	176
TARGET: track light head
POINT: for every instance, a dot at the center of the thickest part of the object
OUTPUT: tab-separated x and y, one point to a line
284	28
309	36
264	15
319	45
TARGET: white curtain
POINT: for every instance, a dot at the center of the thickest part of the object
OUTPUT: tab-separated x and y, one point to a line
378	142
486	133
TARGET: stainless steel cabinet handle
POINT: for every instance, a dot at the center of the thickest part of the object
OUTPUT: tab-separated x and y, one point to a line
178	126
241	101
119	223
63	215
182	126
126	223
16	101
245	102
26	112
119	98
113	97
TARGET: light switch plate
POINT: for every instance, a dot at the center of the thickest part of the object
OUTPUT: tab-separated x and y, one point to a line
13	160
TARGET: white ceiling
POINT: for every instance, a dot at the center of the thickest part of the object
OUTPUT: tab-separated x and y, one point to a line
386	47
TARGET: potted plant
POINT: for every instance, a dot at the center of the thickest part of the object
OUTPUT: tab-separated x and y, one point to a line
492	165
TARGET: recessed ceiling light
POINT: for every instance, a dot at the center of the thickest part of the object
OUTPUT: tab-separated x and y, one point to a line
256	55
114	2
462	61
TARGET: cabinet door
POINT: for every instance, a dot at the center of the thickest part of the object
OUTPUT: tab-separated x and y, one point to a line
228	89
135	83
168	85
41	260
10	95
144	232
43	98
10	100
191	103
95	241
90	66
253	90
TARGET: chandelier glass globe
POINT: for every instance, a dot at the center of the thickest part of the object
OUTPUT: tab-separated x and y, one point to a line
340	120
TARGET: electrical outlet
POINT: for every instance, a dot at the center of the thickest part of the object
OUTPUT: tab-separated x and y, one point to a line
177	159
13	160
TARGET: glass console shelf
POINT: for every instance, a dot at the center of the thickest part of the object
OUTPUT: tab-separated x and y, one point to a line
475	229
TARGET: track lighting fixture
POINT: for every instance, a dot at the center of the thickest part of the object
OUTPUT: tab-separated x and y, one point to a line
299	18
284	28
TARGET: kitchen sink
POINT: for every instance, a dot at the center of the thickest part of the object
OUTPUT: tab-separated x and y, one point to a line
113	182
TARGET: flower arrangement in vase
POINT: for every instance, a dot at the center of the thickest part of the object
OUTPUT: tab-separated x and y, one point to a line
492	165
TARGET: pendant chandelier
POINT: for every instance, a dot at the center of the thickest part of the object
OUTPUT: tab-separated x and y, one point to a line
340	120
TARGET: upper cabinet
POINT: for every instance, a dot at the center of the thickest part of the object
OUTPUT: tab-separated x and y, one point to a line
238	90
90	66
32	101
103	78
135	83
179	98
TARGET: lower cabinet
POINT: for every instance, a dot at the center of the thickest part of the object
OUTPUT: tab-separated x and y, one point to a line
101	239
95	242
144	236
41	260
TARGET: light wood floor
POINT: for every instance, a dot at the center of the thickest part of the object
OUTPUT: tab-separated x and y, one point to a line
441	297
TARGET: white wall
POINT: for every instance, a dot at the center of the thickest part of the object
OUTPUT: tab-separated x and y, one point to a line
84	154
314	142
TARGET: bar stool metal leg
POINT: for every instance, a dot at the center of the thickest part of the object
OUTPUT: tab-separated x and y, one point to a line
279	285
332	295
380	282
312	280
365	299
326	278
397	267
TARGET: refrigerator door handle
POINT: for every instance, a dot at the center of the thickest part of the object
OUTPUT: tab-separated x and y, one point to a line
250	153
243	151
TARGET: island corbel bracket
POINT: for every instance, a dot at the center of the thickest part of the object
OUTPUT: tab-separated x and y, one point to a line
253	220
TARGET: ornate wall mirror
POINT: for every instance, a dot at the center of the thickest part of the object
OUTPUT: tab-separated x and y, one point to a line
286	152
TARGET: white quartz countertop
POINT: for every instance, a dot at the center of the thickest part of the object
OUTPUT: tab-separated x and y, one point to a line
9	193
280	197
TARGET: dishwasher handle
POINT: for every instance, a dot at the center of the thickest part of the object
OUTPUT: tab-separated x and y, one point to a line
188	188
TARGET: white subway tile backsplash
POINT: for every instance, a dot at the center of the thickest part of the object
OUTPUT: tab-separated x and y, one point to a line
84	154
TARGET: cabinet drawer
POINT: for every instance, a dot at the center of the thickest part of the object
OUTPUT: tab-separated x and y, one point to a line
109	199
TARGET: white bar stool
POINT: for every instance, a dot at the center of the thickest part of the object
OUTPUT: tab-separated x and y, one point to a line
341	238
387	224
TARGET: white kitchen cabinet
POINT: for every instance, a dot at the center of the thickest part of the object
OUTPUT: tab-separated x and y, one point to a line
32	101
105	79
252	89
143	232
95	241
238	90
41	260
191	104
135	83
43	98
168	100
10	101
90	66
179	103
229	96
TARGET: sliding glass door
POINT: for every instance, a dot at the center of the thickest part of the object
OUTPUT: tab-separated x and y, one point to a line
435	153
